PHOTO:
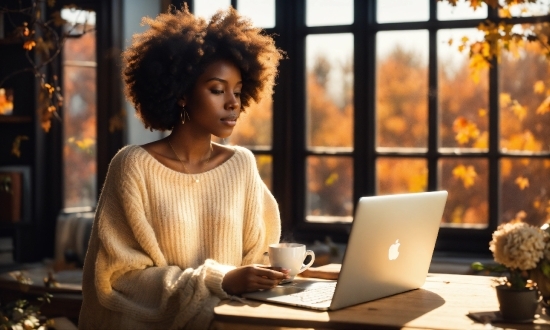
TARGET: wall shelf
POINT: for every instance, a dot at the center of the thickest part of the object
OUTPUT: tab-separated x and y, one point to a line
15	119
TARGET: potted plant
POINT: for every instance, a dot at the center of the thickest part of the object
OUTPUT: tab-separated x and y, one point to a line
541	274
518	248
21	314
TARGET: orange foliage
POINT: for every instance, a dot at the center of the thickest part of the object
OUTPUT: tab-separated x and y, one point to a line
328	178
328	125
402	105
80	124
254	127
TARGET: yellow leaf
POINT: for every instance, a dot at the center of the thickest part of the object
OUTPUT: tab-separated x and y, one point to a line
519	217
505	12
544	107
477	64
465	130
457	214
505	99
85	143
475	4
332	178
522	182
482	112
29	44
466	174
539	87
486	50
418	182
16	145
482	142
464	40
519	110
450	42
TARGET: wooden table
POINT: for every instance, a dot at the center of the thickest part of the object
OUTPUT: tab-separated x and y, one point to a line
442	303
66	296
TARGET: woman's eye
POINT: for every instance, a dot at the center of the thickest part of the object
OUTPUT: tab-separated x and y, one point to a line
217	91
237	94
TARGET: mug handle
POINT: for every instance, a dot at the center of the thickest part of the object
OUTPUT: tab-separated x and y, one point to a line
304	267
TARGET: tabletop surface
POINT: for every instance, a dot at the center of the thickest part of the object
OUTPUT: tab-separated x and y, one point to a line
443	302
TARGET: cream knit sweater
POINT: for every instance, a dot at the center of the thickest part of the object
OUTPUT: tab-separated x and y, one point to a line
161	243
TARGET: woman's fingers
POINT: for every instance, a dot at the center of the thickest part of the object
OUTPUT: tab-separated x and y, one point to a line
266	283
276	269
253	278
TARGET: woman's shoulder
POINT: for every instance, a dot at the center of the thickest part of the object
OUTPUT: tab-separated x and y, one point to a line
130	150
242	152
127	156
242	157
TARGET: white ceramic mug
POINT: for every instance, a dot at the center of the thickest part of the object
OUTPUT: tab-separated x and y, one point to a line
290	256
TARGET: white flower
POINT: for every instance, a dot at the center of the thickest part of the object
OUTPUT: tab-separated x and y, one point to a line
518	245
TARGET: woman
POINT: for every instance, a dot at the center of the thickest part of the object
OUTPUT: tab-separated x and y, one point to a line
183	222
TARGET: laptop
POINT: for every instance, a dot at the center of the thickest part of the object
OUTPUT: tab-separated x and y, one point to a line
389	251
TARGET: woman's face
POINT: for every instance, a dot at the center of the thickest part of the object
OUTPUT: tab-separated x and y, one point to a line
214	104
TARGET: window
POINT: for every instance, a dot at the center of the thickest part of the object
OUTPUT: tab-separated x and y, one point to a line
79	110
255	128
376	98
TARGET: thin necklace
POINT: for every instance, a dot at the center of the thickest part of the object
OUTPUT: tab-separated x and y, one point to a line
185	167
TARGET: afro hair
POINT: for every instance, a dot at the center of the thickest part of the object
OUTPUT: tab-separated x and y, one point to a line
164	62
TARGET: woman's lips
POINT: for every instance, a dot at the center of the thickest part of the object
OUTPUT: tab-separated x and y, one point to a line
230	121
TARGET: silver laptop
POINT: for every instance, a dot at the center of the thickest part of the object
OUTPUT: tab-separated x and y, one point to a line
389	251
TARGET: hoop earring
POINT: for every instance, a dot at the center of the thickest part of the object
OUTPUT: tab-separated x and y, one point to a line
184	114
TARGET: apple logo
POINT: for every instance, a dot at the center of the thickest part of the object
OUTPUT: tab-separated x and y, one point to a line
393	252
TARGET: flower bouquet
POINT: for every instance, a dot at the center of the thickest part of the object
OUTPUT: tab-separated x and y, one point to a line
519	249
541	274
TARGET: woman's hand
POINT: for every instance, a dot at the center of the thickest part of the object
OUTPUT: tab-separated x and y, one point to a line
253	278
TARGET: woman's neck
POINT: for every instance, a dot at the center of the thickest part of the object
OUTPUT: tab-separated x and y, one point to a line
189	147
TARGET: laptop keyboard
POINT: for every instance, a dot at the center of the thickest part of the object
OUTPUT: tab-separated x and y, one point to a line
316	294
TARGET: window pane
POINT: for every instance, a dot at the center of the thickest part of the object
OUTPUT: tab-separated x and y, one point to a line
329	90
389	11
265	167
329	12
463	102
261	12
254	127
541	7
525	190
401	175
402	89
462	10
524	99
79	121
329	188
82	48
466	181
78	21
207	8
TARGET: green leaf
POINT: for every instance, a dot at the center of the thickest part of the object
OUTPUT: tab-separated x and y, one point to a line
477	266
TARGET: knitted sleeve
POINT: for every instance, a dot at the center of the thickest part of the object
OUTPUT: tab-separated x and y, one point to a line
132	276
262	223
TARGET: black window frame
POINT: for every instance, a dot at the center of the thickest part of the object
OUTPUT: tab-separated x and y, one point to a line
289	150
289	121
